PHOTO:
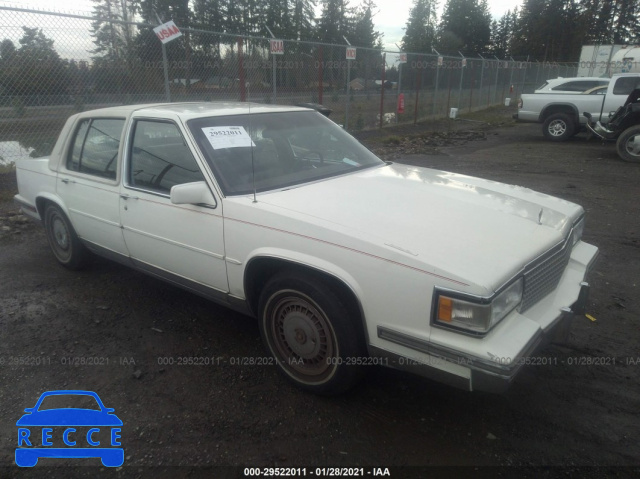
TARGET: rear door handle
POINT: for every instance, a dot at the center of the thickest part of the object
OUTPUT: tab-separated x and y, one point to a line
67	180
126	197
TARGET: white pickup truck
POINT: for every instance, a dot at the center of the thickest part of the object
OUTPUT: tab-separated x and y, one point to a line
346	260
562	114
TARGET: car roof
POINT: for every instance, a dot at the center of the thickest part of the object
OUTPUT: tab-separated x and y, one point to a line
192	109
568	79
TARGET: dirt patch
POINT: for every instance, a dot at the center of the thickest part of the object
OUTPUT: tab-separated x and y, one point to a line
579	409
394	146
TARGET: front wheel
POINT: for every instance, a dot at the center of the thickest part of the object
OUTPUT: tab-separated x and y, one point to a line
310	333
63	240
628	144
558	127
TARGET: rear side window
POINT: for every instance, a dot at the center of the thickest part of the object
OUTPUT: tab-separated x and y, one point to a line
625	85
160	158
95	147
579	85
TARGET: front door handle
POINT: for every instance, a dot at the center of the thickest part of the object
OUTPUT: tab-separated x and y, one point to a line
67	180
126	197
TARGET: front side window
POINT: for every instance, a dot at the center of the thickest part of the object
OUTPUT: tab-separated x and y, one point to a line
268	151
160	158
95	147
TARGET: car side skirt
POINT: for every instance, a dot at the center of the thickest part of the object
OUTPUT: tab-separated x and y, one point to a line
223	298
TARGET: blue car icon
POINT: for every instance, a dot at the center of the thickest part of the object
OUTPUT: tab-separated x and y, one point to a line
36	435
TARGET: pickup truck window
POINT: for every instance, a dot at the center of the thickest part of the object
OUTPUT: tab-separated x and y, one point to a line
580	85
160	158
95	147
625	85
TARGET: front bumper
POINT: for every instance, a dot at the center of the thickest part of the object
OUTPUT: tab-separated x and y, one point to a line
494	376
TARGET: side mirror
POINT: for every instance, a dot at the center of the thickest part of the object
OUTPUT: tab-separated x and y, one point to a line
196	193
29	409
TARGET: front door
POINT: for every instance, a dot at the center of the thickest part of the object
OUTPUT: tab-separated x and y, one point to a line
182	243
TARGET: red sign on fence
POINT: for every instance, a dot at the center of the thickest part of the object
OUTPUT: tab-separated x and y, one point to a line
167	32
402	58
401	103
351	53
277	47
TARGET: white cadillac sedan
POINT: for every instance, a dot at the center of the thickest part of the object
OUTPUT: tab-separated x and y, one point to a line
345	260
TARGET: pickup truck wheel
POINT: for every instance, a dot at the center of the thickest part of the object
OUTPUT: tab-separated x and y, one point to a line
558	127
310	333
63	240
628	144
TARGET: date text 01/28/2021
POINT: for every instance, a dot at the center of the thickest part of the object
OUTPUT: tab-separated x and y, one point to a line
318	471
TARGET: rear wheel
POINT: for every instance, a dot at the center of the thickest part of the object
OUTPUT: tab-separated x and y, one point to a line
63	240
558	127
628	144
310	333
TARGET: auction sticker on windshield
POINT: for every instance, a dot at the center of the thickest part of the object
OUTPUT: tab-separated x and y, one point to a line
228	137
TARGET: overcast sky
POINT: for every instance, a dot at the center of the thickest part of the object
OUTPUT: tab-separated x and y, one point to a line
391	17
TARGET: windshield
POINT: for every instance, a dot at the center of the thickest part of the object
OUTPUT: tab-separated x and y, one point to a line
289	148
64	401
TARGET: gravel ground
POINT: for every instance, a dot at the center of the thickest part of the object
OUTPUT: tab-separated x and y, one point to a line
580	412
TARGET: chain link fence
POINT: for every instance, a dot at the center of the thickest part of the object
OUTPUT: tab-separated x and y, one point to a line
55	64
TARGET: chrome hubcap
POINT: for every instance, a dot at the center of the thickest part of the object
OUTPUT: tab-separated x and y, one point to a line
60	233
303	337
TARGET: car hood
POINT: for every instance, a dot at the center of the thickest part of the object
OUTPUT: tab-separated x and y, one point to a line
481	230
69	417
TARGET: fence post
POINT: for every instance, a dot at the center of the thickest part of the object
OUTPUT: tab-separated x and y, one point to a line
273	70
346	111
464	60
495	89
435	91
524	75
481	78
384	65
418	82
320	75
473	77
448	91
243	87
513	64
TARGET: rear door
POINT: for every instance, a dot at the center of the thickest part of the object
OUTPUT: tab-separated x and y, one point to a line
88	183
181	243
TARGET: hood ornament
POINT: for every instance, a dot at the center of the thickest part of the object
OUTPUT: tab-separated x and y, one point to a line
540	217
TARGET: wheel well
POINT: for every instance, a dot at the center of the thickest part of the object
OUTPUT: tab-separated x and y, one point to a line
552	110
41	204
260	270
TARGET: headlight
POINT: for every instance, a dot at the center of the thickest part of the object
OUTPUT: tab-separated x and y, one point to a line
578	228
476	316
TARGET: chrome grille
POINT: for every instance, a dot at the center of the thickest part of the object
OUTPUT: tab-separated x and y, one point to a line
542	277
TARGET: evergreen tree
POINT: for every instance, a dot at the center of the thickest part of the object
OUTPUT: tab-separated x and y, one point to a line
420	32
466	25
365	34
502	32
334	23
34	68
112	36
